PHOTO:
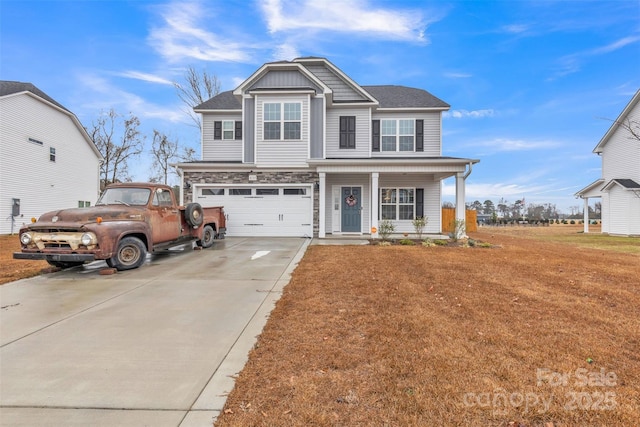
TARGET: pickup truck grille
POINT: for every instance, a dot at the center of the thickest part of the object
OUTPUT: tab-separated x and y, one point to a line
56	245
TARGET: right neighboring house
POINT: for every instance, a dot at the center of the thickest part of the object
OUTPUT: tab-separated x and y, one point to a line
619	186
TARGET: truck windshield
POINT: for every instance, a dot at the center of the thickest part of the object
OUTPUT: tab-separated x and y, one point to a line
125	196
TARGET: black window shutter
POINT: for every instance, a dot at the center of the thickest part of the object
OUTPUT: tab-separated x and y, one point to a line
419	135
375	135
347	132
238	129
217	130
419	202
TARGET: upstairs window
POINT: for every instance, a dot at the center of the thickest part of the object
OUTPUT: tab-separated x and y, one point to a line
397	135
228	127
227	130
282	121
52	154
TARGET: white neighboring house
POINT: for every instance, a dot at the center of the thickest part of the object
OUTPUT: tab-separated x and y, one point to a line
47	159
619	186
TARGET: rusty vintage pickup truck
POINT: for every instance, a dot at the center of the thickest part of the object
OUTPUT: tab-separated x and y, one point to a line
128	220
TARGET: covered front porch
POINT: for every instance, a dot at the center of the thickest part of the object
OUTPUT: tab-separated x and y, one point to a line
355	195
593	190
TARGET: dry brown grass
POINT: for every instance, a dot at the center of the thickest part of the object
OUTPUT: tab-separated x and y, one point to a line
439	336
14	269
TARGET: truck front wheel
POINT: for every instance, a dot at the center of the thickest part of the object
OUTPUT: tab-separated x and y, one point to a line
208	234
131	254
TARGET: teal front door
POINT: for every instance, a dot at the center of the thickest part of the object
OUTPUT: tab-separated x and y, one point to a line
351	210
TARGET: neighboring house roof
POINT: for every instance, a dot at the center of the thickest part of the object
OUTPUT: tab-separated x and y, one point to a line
9	88
391	96
627	184
222	101
616	123
591	190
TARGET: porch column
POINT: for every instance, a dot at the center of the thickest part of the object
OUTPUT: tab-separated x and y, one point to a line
374	203
586	215
460	197
321	203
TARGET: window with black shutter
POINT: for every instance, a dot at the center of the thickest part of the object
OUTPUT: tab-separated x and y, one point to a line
419	136
419	202
217	130
238	129
375	135
347	132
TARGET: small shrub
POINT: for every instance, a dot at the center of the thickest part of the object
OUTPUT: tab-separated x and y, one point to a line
440	242
408	242
572	222
428	243
458	226
419	223
385	228
484	245
471	242
385	243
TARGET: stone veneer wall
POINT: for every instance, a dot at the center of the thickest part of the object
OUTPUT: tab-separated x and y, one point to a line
267	177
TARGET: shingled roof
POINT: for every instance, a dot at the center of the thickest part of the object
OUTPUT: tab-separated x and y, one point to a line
222	101
390	96
10	87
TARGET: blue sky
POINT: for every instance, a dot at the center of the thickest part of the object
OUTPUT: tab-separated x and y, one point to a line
533	85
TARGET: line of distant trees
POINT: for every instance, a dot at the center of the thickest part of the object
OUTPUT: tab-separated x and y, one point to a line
532	211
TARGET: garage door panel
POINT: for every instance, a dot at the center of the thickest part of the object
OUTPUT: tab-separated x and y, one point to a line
264	215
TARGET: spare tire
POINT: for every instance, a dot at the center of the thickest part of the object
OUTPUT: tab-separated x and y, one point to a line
194	214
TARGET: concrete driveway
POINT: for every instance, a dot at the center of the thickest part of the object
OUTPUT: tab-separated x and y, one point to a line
155	346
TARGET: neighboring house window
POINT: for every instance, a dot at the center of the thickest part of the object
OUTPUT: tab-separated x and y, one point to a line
227	130
347	131
83	204
397	203
52	154
228	127
397	135
35	141
282	120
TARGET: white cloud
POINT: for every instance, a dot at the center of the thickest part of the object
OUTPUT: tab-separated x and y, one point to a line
515	28
570	64
151	78
182	35
285	52
351	16
459	114
455	75
100	94
507	144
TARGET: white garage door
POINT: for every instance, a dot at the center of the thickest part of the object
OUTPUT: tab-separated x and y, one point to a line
262	211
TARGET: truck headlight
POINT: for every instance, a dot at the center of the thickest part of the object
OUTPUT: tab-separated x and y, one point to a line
87	239
25	238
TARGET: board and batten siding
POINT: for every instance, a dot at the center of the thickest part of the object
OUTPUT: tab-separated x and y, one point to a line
363	133
287	153
432	134
316	127
26	172
219	149
277	79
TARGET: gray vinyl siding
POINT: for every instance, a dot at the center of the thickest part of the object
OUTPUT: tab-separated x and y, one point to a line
316	128
342	91
282	152
219	149
26	172
363	133
249	133
432	134
284	79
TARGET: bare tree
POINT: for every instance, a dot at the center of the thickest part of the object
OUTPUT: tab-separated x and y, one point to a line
116	150
197	88
164	151
632	126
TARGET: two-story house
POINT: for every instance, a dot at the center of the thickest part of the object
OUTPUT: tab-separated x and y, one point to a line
300	149
619	187
47	159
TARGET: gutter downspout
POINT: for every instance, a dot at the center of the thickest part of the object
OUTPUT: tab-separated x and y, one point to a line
468	172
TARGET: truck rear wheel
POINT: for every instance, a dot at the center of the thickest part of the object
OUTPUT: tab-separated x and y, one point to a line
208	235
131	254
194	214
